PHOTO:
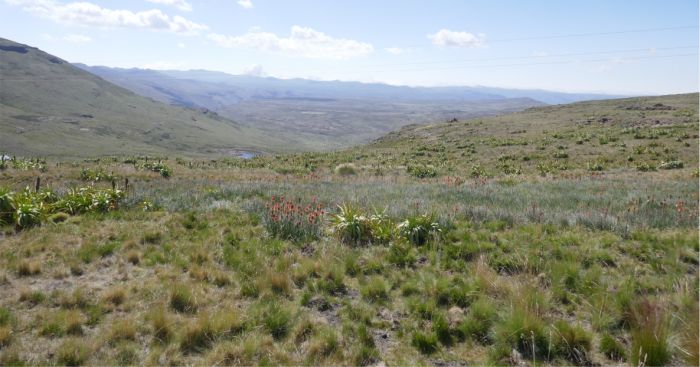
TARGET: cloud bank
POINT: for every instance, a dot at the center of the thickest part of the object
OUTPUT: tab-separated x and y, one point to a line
302	41
89	14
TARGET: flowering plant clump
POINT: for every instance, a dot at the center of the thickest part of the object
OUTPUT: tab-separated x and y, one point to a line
292	219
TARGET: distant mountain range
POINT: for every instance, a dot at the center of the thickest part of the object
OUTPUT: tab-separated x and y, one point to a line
51	107
213	89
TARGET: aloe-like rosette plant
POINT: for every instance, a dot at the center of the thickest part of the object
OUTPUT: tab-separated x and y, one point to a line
419	229
29	214
351	225
159	167
74	202
7	205
383	227
86	199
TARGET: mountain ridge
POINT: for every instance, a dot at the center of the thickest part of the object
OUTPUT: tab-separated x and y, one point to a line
50	107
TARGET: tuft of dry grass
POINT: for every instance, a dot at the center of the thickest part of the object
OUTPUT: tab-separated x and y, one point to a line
5	336
72	352
122	330
182	300
115	296
28	268
162	326
133	256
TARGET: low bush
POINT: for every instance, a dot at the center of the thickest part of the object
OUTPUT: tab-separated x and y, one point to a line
421	171
346	169
671	165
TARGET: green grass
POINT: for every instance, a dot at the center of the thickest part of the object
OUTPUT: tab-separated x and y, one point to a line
571	268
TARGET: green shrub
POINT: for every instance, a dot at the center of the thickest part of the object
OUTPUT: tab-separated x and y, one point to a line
645	167
421	171
346	169
596	166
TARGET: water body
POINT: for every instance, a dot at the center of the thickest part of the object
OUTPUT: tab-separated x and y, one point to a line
246	155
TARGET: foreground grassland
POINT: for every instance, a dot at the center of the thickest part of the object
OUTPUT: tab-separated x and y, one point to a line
434	257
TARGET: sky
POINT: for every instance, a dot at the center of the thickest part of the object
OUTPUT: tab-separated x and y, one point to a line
621	47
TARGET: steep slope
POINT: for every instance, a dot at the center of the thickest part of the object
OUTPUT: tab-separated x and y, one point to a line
50	107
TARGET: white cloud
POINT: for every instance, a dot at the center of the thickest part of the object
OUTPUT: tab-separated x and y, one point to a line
445	37
302	41
181	45
254	70
179	4
89	14
248	4
77	38
394	50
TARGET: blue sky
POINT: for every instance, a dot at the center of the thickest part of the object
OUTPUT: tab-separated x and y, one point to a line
629	47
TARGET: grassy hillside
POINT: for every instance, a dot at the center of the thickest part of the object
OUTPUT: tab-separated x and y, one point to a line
50	108
353	258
